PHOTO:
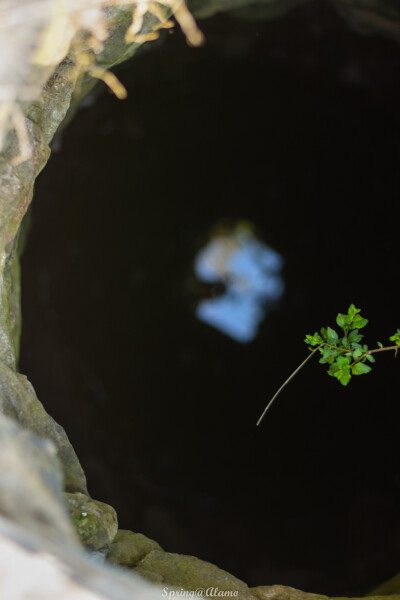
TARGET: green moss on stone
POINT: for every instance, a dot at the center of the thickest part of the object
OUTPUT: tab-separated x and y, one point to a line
128	548
190	573
95	522
283	592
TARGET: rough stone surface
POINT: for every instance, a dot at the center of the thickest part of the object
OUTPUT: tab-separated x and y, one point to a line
44	109
95	522
31	482
282	592
18	401
43	115
190	573
34	568
129	548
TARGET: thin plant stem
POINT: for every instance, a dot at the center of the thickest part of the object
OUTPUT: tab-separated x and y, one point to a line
395	348
286	382
373	351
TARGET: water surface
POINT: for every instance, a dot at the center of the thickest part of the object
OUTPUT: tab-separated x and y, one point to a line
292	126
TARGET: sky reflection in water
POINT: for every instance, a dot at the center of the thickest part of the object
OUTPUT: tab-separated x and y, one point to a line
250	271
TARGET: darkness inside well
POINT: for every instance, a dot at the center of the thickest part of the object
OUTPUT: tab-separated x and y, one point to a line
293	125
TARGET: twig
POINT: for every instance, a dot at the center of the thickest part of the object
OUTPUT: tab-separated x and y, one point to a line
286	382
395	348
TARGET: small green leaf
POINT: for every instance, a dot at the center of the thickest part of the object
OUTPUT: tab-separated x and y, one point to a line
357	353
345	342
396	338
332	335
370	358
333	369
328	355
343	320
342	362
340	320
359	322
324	333
360	369
344	377
380	344
341	370
353	310
354	336
313	340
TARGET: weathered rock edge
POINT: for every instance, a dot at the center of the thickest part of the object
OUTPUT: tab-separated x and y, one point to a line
33	566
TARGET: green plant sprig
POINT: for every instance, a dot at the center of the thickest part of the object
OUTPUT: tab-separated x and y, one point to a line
344	355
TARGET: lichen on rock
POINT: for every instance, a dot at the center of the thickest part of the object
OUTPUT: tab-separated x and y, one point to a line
95	522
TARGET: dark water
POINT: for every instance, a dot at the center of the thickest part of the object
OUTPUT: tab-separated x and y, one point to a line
294	126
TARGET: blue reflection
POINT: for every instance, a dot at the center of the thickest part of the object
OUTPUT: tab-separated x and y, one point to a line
250	271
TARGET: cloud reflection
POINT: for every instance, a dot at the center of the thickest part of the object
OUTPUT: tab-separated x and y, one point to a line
250	271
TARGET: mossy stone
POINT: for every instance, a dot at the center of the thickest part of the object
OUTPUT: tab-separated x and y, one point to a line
128	548
95	522
190	573
282	592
